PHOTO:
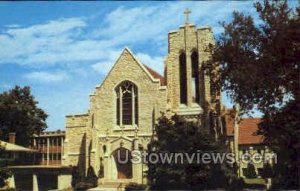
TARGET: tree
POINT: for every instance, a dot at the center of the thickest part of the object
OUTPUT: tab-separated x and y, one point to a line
176	135
4	172
259	68
4	175
267	171
282	132
19	113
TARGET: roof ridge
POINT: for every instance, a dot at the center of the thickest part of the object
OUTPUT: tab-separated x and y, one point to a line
156	75
152	70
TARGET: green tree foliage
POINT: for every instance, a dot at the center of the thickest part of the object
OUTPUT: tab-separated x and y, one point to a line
4	173
260	63
282	132
19	113
250	171
84	183
259	68
179	136
135	187
267	171
76	178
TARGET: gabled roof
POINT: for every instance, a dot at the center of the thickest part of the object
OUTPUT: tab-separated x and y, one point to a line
248	128
156	75
248	131
127	50
14	148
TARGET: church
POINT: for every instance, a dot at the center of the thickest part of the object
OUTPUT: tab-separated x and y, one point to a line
124	108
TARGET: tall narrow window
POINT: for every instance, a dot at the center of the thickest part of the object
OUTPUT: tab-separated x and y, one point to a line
183	81
195	77
127	103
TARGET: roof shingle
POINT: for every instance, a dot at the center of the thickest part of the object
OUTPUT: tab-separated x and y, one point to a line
248	128
156	75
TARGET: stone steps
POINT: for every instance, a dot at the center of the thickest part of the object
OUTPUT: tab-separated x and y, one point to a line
109	186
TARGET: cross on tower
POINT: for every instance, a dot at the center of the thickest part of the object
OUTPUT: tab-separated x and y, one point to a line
187	12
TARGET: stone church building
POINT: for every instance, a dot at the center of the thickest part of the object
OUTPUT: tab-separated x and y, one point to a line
124	108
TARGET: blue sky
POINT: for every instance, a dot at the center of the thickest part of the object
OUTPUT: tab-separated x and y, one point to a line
63	50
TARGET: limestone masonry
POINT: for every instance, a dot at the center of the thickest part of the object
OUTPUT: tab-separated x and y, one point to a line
124	108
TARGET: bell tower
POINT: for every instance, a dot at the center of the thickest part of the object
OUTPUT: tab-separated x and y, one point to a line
190	92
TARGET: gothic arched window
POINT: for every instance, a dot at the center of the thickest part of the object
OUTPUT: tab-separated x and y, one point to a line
195	77
182	76
127	103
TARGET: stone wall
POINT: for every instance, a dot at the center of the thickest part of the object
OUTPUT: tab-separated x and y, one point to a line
187	40
76	141
151	98
95	135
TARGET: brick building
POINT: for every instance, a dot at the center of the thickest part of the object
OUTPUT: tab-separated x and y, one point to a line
244	141
38	167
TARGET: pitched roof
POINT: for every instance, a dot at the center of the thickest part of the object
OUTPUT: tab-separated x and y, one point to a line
156	75
248	131
248	128
128	51
14	148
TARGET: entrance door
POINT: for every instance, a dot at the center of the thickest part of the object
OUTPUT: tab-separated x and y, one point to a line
122	158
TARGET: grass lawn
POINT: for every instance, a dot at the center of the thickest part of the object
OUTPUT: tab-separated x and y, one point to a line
254	181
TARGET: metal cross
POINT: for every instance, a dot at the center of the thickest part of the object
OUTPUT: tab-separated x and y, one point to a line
187	12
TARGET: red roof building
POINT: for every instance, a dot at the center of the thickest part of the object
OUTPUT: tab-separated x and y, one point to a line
248	128
156	75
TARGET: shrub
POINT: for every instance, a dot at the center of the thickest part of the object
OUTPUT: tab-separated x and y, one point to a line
4	175
82	186
75	176
135	187
236	184
91	176
250	171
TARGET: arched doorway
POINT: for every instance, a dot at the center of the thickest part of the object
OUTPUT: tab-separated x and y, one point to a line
122	159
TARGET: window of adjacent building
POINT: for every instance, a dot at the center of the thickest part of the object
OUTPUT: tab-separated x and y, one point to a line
127	103
182	76
195	77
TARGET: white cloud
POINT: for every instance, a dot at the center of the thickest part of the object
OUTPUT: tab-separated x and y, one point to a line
154	62
39	44
46	76
76	46
105	65
73	40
